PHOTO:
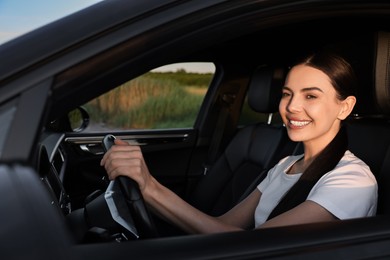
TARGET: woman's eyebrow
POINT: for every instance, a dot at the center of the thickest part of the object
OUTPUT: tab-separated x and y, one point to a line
305	89
311	89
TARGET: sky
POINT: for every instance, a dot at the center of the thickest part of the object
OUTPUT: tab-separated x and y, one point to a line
18	17
21	16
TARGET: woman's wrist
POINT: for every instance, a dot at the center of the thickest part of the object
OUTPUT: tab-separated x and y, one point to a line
151	190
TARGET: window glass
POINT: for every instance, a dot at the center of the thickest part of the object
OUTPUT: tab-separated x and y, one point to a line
167	97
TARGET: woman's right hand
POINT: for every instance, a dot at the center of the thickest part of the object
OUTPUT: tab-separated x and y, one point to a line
123	159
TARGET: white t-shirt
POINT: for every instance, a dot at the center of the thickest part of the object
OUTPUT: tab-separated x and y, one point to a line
348	191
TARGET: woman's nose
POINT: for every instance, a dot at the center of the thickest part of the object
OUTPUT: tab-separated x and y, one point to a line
293	104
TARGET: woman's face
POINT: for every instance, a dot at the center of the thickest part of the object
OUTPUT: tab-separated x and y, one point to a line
309	106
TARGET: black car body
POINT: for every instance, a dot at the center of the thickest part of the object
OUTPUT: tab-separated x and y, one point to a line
51	71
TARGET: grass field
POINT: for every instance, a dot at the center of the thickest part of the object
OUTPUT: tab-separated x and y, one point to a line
154	100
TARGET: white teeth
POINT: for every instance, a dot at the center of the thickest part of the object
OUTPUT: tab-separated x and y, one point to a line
299	123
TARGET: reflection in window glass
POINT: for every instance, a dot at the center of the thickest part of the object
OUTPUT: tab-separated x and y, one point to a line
158	99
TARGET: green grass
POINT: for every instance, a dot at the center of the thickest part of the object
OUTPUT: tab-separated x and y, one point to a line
154	100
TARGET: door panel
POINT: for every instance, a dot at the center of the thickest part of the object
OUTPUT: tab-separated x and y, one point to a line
167	154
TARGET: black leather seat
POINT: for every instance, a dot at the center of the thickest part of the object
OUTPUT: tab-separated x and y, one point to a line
369	139
249	155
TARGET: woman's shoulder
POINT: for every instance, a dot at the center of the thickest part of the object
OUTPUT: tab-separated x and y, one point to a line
350	159
352	166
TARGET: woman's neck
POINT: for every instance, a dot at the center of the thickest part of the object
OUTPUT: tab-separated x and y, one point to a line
314	147
301	165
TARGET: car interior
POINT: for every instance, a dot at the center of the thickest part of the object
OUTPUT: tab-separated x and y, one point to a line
213	170
256	148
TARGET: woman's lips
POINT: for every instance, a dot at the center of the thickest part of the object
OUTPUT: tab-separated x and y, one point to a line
298	124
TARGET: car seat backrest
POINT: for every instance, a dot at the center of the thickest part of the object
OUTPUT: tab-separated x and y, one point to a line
369	139
251	152
382	94
382	71
369	135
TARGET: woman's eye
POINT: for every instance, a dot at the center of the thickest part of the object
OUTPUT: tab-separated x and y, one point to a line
285	94
310	97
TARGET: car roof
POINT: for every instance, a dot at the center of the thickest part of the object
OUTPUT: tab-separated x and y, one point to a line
75	29
96	45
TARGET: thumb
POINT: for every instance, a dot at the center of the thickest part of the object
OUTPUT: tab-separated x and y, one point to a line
120	142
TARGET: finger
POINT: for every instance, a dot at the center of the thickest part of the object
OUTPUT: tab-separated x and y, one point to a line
125	167
121	150
120	142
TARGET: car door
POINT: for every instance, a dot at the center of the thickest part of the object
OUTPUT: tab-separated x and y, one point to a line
160	111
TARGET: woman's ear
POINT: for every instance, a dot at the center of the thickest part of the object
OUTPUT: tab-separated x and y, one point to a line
347	106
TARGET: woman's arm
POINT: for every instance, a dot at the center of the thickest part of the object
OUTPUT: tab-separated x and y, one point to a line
127	160
304	213
190	219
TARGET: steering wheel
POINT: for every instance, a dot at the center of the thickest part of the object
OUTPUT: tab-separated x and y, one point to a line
134	200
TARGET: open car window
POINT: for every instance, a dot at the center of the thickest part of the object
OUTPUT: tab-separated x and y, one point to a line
165	98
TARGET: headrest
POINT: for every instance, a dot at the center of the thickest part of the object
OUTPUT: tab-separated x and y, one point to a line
265	89
382	71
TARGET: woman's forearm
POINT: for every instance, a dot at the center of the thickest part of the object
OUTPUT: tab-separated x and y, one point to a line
182	214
